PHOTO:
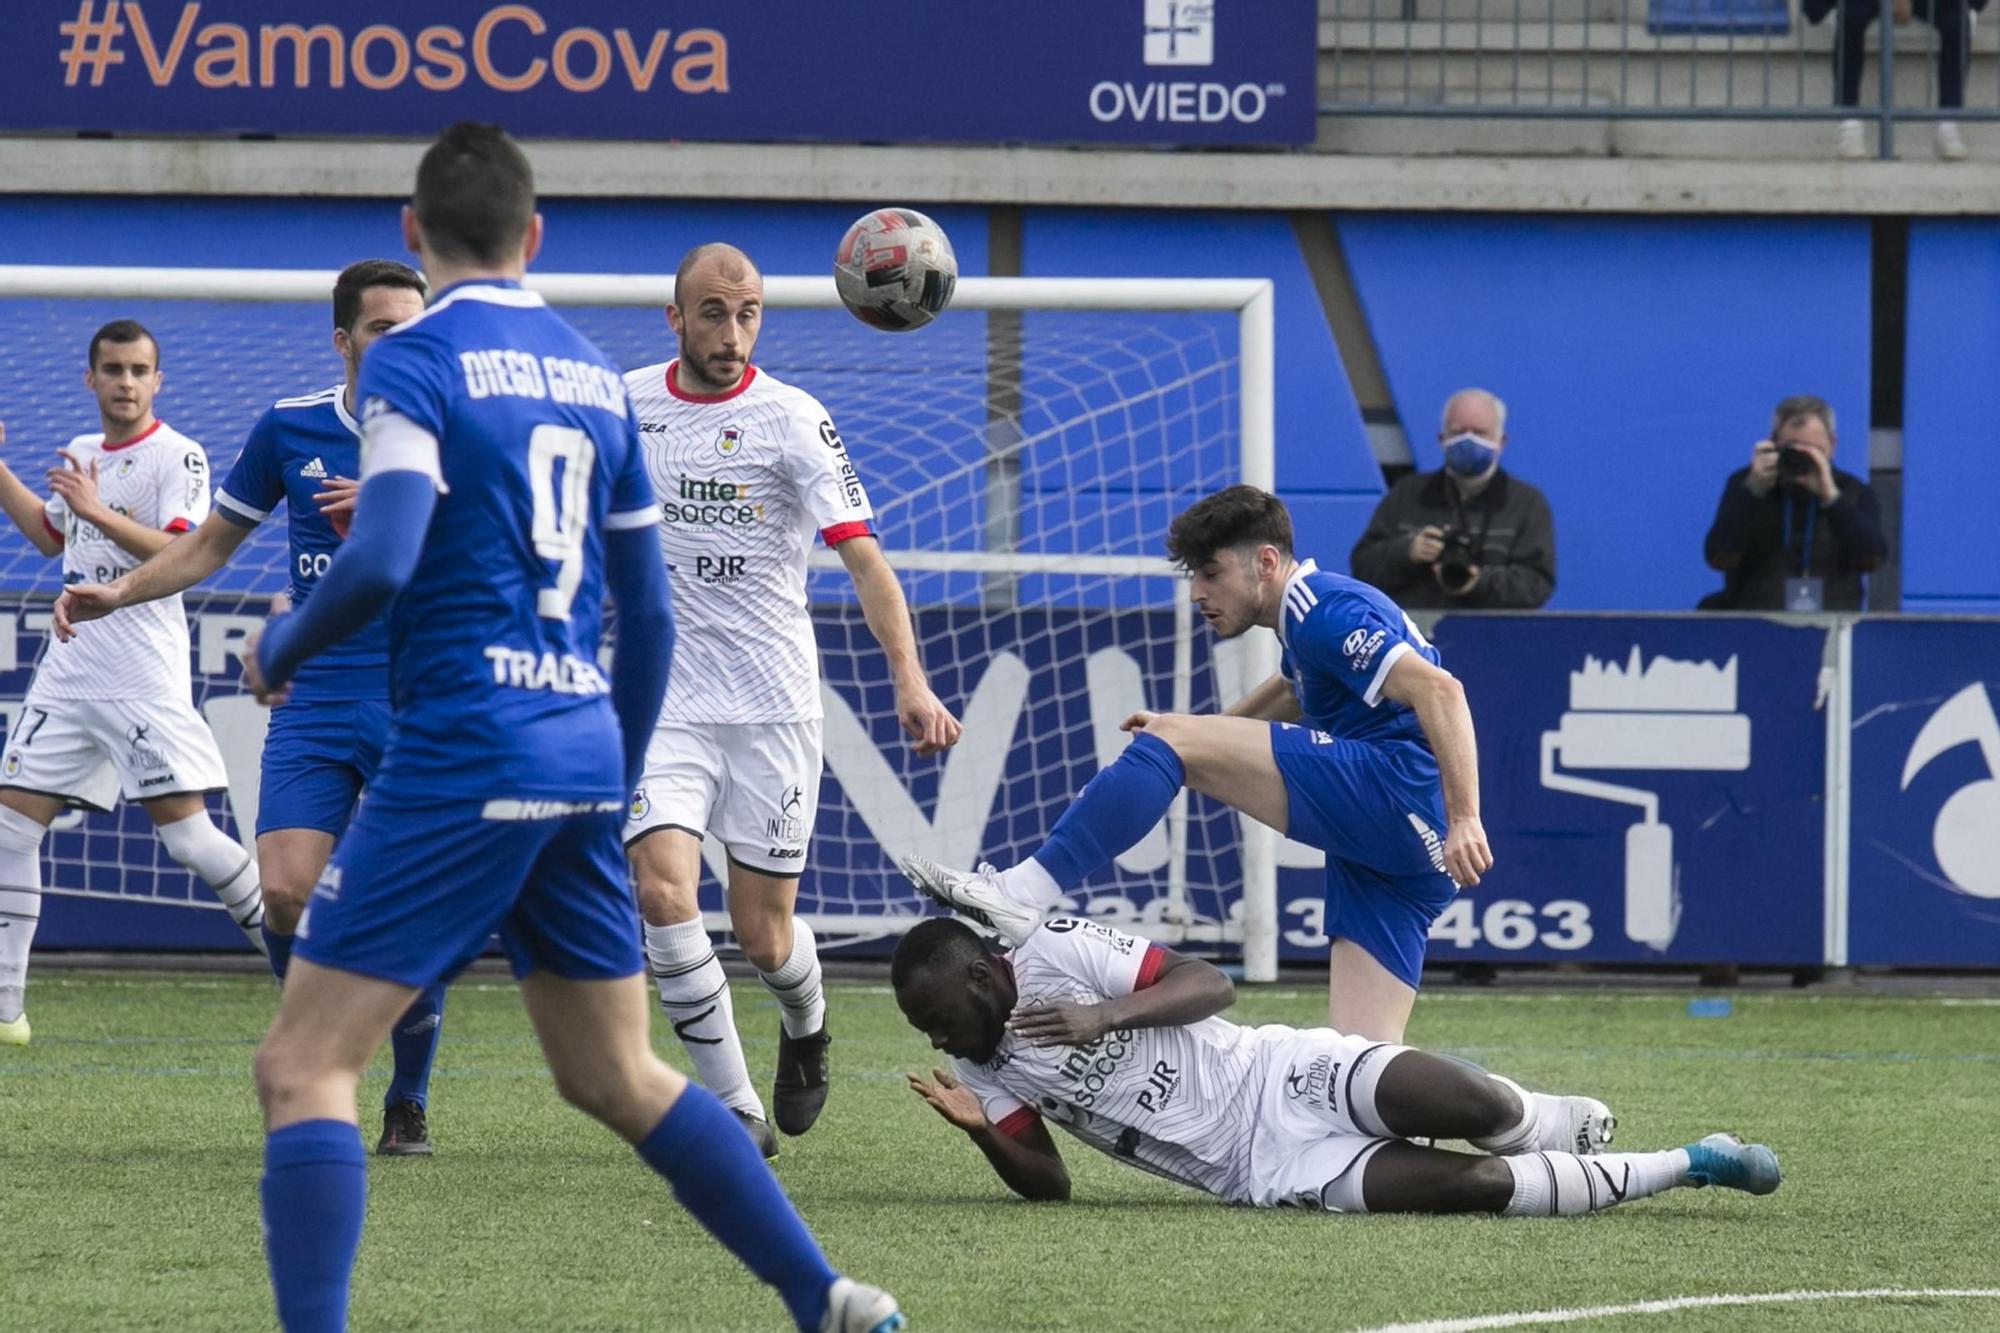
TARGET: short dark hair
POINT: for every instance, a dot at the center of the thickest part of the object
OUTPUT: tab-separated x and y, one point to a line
1238	516
358	278
124	331
1800	405
475	194
933	944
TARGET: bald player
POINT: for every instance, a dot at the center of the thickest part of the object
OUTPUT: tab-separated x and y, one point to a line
748	470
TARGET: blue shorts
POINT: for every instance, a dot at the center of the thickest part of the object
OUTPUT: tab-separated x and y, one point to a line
317	758
1376	809
414	891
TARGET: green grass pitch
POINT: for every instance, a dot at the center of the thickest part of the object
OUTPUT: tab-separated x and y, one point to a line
129	1152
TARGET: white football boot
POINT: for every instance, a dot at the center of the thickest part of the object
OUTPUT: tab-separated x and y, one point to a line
978	895
855	1307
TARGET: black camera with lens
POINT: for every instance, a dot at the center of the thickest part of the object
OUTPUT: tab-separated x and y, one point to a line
1794	461
1455	561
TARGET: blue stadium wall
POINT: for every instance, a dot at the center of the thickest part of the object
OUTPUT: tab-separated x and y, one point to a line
1639	356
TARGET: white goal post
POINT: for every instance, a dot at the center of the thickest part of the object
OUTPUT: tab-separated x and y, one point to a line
1074	550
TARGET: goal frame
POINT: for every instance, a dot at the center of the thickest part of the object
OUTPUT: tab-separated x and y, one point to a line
1251	300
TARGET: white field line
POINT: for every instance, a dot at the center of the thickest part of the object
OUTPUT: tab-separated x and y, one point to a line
1524	1318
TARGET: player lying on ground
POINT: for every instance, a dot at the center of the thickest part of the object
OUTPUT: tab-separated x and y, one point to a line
1384	761
1118	1041
749	470
325	743
503	497
113	717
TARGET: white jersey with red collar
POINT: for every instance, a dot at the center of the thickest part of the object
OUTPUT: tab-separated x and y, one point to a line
1181	1102
745	479
159	480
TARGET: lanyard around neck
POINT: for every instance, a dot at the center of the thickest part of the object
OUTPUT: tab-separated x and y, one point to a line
1805	546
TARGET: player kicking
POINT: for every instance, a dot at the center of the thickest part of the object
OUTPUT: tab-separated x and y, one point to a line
1119	1042
1384	761
747	468
325	743
114	716
503	495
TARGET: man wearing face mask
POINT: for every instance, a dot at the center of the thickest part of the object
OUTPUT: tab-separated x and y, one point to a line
1469	536
1791	531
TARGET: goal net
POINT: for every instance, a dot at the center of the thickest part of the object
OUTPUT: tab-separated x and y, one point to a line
1024	455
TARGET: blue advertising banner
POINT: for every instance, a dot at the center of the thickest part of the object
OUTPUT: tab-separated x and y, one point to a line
1135	71
1924	832
1653	789
1041	690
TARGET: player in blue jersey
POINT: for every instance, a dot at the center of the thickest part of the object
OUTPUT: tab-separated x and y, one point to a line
503	496
1360	746
323	745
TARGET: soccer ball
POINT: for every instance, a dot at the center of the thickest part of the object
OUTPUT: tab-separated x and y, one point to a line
895	269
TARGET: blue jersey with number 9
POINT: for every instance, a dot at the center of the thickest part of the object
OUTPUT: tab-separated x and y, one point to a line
494	676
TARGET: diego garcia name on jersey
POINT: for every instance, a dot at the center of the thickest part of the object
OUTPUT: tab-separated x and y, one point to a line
523	427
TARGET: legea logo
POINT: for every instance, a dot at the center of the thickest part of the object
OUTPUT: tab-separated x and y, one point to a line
1966	837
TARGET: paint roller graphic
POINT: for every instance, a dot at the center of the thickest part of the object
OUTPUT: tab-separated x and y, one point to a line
1669	715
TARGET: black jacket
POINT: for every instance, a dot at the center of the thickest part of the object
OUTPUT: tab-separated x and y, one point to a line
1509	521
1747	542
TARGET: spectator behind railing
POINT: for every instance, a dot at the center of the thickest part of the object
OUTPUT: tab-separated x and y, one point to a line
1467	536
1792	532
1953	21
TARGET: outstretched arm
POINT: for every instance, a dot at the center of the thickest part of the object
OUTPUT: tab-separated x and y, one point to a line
1439	702
930	724
1026	1159
1182	990
25	508
178	567
367	572
78	488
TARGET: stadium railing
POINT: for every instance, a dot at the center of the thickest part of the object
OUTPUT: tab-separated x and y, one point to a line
1747	60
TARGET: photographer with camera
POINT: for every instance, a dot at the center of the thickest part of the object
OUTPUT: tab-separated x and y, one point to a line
1792	532
1468	536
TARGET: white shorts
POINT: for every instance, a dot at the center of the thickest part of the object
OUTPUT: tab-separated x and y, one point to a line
1310	1150
91	751
753	785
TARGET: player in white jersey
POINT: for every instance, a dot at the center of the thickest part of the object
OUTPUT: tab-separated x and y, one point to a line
748	470
1119	1042
113	714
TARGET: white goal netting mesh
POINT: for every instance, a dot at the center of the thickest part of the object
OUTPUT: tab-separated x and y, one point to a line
1023	467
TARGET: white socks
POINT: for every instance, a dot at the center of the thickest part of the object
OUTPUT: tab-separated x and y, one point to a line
1561	1184
224	866
1029	883
796	984
1526	1134
20	905
695	995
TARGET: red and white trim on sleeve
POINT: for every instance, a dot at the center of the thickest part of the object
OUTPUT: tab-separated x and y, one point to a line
749	373
140	438
51	528
845	532
1149	967
1018	1121
178	526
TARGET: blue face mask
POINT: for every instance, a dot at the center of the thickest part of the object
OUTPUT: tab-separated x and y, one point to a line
1469	455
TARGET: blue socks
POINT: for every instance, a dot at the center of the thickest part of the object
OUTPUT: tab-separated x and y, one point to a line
314	1189
414	1043
718	1175
1115	809
278	949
